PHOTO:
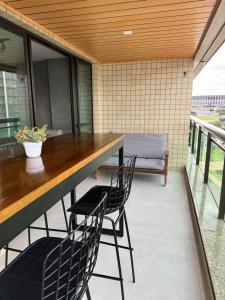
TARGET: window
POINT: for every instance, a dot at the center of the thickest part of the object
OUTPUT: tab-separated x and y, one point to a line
14	96
51	88
84	85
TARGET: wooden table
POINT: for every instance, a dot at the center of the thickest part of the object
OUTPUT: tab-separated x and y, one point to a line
65	162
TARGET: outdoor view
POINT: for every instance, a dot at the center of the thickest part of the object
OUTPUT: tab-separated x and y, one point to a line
208	104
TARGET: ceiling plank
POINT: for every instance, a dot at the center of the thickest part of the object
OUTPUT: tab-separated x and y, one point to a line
139	33
136	29
83	15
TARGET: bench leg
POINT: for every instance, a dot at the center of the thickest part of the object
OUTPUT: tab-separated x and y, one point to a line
165	179
96	174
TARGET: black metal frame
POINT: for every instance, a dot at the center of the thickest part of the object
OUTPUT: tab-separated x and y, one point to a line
193	138
199	145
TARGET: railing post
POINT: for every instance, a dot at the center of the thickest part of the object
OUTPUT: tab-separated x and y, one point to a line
222	196
207	158
193	139
189	138
199	145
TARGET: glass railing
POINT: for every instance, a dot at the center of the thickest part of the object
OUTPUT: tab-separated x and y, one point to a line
207	145
206	174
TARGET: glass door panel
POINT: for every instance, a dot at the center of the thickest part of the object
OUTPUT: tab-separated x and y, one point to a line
14	96
84	86
52	88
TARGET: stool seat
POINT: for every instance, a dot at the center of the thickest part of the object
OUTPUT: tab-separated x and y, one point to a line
22	279
92	198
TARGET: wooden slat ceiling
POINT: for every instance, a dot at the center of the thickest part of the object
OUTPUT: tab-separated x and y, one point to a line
162	29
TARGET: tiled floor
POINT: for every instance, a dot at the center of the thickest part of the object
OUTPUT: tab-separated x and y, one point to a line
165	255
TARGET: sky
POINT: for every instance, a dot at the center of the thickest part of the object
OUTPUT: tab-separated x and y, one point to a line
211	80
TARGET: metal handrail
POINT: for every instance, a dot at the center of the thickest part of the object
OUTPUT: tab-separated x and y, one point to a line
9	120
216	131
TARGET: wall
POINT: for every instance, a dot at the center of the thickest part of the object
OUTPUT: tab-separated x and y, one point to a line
146	97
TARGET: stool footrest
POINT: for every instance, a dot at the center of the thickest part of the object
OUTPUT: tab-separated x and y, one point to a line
13	249
107	277
49	229
119	246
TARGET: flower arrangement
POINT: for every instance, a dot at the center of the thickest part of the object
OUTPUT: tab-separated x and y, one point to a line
32	140
33	135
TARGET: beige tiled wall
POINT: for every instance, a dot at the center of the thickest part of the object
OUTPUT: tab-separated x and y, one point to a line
146	97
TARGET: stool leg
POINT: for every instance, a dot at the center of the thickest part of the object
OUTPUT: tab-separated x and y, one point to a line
72	217
6	255
118	259
64	212
46	224
88	294
29	236
130	247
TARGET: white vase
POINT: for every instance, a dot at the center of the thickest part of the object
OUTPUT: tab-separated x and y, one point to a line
33	149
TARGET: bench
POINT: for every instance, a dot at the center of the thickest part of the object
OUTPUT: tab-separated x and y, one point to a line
151	151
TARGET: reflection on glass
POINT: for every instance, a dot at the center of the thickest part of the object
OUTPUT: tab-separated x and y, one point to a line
203	148
14	98
84	97
52	88
34	165
196	140
216	171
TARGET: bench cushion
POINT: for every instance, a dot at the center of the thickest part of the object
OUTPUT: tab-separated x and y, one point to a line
142	163
145	145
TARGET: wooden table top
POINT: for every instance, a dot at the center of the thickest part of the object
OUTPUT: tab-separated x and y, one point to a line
22	180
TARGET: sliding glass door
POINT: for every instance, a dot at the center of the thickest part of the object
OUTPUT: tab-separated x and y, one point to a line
41	85
14	96
52	88
84	89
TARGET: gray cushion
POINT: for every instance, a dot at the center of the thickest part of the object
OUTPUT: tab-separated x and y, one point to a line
142	163
53	132
150	163
145	145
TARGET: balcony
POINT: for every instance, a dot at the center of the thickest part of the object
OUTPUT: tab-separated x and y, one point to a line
88	68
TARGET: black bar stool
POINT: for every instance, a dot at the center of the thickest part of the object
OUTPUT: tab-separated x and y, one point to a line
118	193
54	268
46	229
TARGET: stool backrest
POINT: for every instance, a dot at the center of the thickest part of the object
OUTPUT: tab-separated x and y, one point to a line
121	185
68	268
